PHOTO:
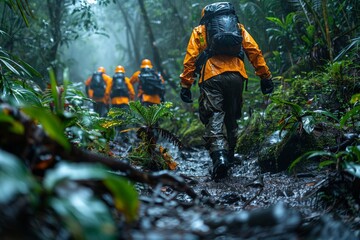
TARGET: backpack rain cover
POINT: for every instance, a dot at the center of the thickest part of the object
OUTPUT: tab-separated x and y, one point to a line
98	85
119	87
150	82
224	36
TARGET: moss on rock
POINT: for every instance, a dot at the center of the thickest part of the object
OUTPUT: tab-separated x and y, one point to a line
278	157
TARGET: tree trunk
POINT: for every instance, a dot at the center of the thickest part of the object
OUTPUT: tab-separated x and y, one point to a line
177	15
327	30
156	54
155	50
55	9
133	51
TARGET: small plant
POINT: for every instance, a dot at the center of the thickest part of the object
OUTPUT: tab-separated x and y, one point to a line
341	159
353	114
145	122
296	118
283	34
82	126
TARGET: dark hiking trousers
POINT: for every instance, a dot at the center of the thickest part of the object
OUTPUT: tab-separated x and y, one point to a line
118	136
220	104
100	108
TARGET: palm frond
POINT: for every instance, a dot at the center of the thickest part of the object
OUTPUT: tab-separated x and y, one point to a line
22	7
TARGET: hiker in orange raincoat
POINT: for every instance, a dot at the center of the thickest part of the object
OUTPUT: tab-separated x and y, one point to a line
150	84
98	88
221	80
122	91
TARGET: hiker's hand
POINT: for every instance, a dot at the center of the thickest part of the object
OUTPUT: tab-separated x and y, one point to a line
267	85
185	95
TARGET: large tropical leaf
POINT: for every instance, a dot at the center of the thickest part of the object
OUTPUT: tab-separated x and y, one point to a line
21	96
125	196
16	65
51	124
13	125
84	215
15	179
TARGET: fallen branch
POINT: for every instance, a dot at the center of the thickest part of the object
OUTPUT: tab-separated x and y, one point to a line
165	177
34	143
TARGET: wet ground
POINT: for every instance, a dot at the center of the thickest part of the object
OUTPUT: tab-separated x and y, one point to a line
246	205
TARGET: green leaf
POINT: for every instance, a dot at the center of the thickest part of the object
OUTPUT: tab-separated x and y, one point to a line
327	114
313	154
51	124
320	154
353	169
297	160
355	152
296	109
353	112
125	196
6	62
54	92
23	10
14	178
85	216
308	124
326	163
72	171
27	68
22	97
15	126
275	20
355	98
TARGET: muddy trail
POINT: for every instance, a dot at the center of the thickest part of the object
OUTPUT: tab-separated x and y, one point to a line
248	204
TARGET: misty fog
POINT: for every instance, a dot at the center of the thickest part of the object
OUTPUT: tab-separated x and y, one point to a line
91	50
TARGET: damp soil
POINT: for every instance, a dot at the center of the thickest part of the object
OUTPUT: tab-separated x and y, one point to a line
248	204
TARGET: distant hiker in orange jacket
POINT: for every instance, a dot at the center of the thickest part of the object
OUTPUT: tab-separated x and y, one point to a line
97	88
122	91
151	88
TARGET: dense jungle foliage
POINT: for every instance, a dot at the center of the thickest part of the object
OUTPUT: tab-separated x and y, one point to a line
51	144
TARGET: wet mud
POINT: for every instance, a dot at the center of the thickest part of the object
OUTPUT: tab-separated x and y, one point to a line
247	204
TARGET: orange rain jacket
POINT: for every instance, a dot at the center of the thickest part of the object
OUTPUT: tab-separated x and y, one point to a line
106	98
124	100
221	63
156	99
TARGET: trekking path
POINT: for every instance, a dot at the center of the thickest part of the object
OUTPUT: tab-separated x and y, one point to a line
247	204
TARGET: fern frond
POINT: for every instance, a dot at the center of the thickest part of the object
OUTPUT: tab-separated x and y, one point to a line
117	112
149	116
162	111
137	108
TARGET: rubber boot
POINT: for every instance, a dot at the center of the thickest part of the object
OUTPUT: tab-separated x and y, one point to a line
220	164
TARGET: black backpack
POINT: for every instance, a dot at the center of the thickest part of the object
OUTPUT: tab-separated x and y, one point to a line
98	84
223	35
150	82
119	87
